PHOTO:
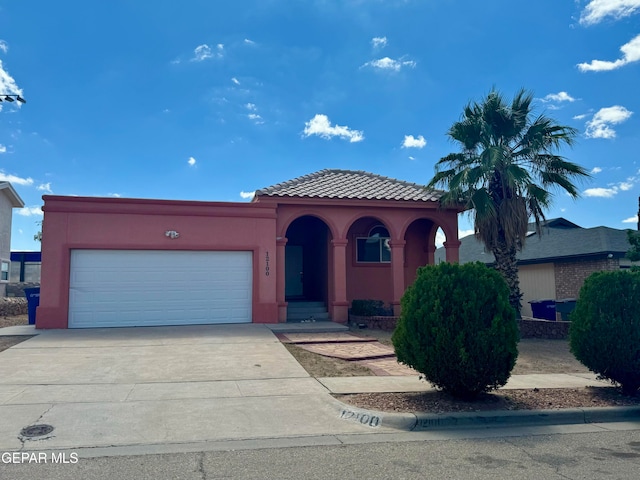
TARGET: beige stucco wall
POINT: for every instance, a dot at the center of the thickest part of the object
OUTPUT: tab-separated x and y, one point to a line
536	282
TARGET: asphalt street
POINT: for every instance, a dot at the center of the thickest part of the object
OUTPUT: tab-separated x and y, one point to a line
454	454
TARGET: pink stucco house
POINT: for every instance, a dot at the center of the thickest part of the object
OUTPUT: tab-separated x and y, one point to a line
328	237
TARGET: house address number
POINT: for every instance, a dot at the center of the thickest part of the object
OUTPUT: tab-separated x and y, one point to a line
266	264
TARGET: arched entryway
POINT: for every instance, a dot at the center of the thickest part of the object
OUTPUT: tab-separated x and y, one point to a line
307	260
420	246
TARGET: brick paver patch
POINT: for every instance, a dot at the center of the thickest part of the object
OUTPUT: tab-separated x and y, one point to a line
337	337
351	350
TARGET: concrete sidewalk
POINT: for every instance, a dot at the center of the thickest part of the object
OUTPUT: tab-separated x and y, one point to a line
397	384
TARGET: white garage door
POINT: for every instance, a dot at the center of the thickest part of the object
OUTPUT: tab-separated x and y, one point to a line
124	288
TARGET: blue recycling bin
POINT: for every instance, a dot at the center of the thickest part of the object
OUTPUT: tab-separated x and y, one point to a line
544	309
33	300
565	306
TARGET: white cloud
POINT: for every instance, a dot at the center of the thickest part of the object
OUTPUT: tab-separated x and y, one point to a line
633	219
249	42
601	192
247	194
580	117
8	84
4	46
630	53
202	52
624	186
387	63
116	195
44	187
596	170
321	126
559	97
250	106
411	142
379	42
600	126
256	118
411	158
3	148
29	211
598	10
15	180
235	80
191	161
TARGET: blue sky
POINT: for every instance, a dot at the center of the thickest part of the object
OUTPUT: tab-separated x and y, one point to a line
212	100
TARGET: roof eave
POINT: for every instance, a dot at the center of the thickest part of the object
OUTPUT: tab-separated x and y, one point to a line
16	201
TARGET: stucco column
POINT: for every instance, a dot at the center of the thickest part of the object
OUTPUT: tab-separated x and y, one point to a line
397	273
452	250
281	242
339	308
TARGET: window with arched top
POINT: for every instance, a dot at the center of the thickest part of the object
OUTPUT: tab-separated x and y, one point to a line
375	247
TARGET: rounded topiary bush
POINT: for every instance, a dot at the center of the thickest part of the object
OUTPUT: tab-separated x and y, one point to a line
605	327
458	329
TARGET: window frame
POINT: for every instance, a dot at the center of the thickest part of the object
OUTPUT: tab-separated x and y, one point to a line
380	240
4	272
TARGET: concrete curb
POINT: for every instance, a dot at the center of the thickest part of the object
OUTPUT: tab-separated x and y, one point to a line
420	422
501	418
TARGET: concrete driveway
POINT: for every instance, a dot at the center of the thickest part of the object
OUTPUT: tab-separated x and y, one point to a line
155	385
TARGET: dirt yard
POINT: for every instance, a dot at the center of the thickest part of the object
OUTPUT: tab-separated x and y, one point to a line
14	320
534	356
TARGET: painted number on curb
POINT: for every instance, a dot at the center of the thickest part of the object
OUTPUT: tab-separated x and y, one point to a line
362	418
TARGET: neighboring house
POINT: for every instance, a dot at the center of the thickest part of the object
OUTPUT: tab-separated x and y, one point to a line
9	199
554	264
25	267
328	237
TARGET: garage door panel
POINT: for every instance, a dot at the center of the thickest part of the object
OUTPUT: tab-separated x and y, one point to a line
137	288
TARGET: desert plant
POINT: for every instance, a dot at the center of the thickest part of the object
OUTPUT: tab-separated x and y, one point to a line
605	327
458	329
505	172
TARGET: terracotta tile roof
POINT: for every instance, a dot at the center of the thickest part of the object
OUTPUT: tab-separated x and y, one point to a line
350	184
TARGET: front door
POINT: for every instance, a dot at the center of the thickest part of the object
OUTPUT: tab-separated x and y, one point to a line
293	267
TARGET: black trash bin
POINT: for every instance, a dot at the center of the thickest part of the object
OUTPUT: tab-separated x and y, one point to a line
565	306
544	309
33	300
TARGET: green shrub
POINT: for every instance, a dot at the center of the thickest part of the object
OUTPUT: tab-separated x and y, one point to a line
367	308
457	328
605	327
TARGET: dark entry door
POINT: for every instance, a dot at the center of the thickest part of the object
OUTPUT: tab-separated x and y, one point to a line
293	267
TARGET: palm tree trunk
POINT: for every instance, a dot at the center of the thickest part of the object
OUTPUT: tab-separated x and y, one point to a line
506	264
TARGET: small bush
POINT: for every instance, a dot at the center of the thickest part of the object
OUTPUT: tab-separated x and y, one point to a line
367	308
605	327
458	329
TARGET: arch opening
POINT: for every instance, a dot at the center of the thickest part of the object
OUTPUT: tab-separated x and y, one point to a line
307	260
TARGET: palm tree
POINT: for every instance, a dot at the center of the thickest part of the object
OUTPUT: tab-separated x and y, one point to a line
504	173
